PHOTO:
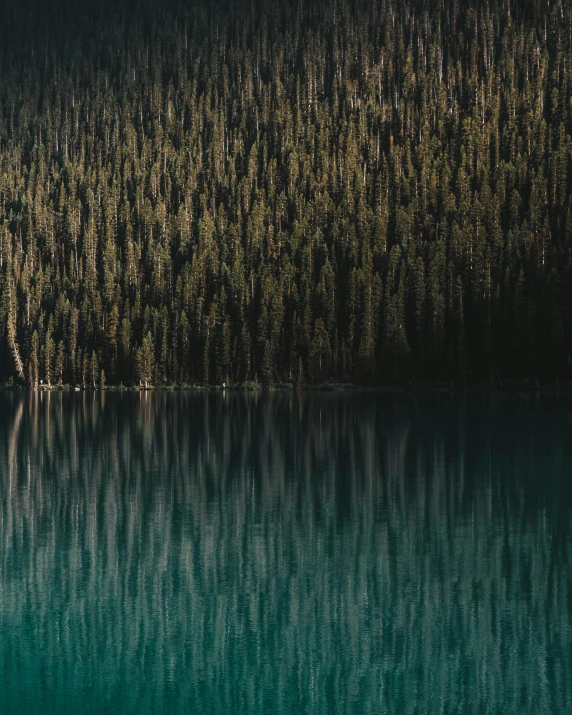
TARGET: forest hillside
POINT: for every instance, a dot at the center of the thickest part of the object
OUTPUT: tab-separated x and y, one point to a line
286	192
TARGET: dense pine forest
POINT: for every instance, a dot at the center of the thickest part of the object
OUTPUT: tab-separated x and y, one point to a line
286	192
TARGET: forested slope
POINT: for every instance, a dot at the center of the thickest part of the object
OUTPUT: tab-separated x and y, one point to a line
293	192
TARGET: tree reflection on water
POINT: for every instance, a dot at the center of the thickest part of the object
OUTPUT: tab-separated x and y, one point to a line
320	552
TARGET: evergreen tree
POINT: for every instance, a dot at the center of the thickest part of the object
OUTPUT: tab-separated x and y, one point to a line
146	361
49	353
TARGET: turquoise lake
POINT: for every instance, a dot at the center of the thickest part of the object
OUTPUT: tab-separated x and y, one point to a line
283	553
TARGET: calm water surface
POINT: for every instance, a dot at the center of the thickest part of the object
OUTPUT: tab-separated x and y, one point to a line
324	553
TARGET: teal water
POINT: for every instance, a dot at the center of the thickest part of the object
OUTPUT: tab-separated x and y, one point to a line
322	553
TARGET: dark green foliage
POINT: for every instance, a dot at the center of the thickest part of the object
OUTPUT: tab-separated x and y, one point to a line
286	192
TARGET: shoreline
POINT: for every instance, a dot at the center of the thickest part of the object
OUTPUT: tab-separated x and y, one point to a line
548	388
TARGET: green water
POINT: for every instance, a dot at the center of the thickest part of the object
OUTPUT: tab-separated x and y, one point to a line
323	553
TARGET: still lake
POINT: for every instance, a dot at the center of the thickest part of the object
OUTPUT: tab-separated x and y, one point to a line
283	553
